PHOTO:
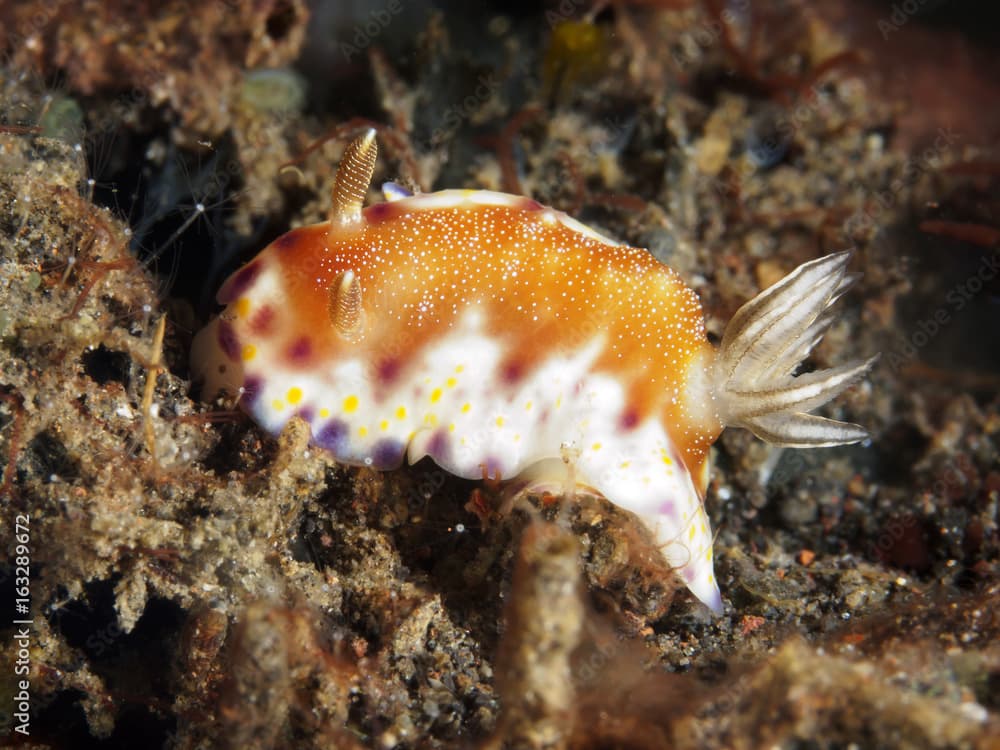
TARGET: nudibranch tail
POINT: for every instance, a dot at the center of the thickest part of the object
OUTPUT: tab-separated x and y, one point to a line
764	343
214	362
352	180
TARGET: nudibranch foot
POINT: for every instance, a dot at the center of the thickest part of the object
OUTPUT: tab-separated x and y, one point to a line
493	334
642	471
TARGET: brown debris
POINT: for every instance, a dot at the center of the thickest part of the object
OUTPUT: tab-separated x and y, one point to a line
246	590
186	55
543	627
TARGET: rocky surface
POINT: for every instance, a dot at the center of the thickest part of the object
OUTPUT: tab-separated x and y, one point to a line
196	583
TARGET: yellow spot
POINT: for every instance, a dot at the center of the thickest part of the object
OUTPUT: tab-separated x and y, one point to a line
459	368
350	404
435	395
711	578
431	419
708	554
277	404
624	464
401	412
466	407
517	438
451	427
363	431
451	382
667	461
249	352
242	307
692	533
384	425
499	421
324	413
559	402
527	406
704	529
596	446
294	395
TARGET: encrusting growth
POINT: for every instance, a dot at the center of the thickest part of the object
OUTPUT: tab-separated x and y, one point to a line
497	335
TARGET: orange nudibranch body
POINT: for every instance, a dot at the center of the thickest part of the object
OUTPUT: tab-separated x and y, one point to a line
495	334
514	271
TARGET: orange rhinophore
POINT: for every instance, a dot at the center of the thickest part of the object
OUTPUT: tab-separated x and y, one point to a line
494	334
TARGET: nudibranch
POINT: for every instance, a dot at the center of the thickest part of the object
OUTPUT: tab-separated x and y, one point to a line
499	336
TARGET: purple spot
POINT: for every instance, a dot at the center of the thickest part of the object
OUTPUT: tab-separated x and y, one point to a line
439	447
252	387
333	437
238	283
629	420
388	370
285	241
379	212
387	454
228	342
688	573
261	321
668	508
306	413
300	350
512	372
492	467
